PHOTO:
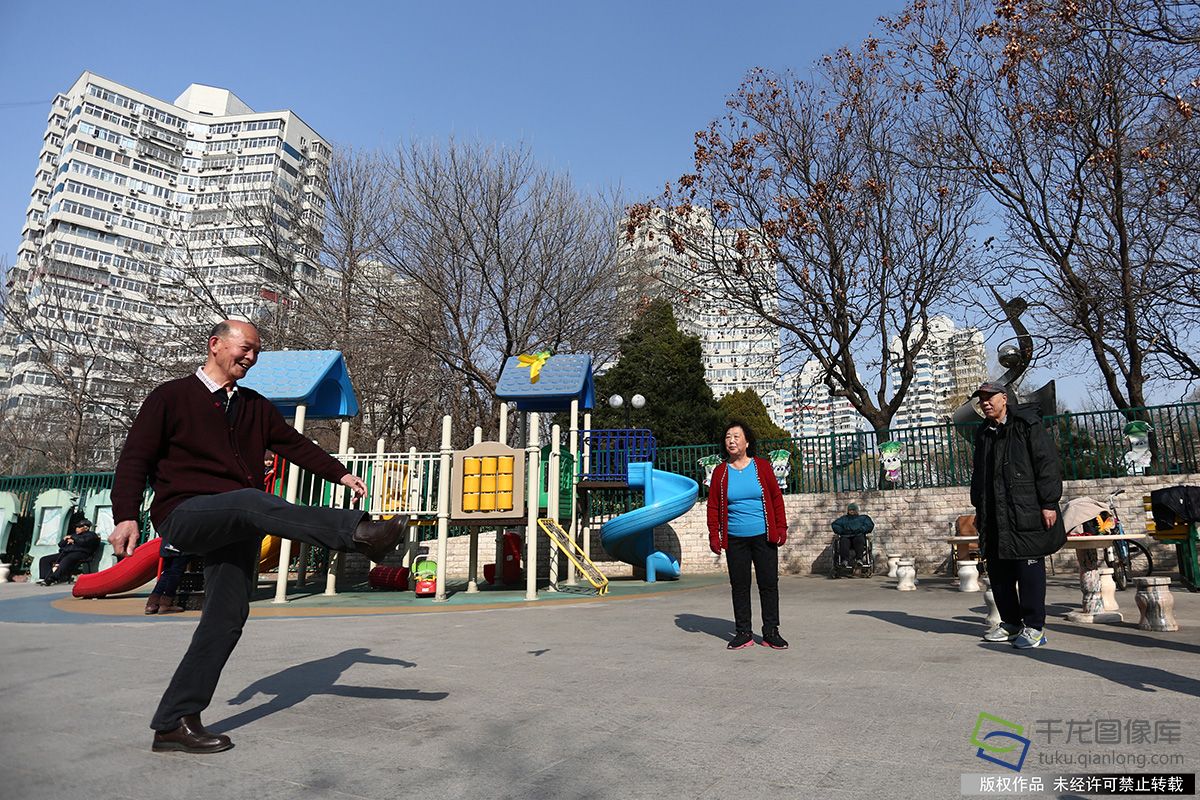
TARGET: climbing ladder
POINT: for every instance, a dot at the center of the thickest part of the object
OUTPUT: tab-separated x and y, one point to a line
574	552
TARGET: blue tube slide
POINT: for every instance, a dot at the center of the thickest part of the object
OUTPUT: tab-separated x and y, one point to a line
630	537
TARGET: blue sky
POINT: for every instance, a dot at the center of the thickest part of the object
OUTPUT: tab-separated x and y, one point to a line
610	92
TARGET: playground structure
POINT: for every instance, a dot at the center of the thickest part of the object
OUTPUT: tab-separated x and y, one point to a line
487	486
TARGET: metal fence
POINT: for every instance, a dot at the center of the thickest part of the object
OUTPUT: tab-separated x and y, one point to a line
1090	444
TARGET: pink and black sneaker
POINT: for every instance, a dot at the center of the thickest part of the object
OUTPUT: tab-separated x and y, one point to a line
741	641
772	639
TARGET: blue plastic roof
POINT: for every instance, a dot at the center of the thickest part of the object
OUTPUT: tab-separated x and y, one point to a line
564	377
317	379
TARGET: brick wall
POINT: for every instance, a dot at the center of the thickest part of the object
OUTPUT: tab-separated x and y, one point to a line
913	522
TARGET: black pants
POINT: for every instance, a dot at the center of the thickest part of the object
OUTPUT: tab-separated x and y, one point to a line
741	553
67	564
859	540
172	574
227	529
1019	589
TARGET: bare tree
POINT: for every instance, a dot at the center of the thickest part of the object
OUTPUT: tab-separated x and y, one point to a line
823	223
1059	114
502	258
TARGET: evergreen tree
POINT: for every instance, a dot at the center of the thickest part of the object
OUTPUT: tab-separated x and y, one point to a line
663	365
747	406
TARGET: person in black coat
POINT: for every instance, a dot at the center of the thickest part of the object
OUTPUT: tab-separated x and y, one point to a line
852	529
1015	488
73	550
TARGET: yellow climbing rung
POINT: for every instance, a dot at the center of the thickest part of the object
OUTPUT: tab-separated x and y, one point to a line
574	552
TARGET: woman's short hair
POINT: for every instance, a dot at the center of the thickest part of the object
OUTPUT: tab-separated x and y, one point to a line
751	441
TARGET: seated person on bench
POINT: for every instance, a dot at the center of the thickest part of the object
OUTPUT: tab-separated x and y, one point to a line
74	549
852	529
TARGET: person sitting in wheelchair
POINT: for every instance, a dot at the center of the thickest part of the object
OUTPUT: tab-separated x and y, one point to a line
852	529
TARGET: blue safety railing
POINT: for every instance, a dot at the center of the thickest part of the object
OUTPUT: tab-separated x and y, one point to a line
613	450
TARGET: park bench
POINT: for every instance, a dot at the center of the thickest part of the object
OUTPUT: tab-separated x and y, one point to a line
1184	538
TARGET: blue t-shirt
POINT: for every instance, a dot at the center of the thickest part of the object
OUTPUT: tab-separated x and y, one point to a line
747	516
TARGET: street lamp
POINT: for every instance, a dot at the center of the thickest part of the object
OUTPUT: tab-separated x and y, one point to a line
617	401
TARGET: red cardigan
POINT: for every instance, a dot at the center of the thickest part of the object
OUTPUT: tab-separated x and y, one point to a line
718	505
182	443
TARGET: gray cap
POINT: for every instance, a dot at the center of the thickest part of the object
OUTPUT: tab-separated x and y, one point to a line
990	387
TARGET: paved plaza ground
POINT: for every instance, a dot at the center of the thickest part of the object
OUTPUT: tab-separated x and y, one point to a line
630	696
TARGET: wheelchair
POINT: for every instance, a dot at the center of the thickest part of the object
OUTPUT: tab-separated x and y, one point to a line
851	568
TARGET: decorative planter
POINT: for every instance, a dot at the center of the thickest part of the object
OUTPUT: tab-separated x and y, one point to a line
907	575
1156	604
892	560
968	576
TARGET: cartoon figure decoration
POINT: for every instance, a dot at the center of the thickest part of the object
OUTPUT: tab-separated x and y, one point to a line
781	464
1137	460
889	459
535	363
709	463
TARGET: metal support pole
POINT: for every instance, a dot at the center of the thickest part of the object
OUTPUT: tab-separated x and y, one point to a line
293	486
443	523
473	543
531	489
553	466
573	446
501	437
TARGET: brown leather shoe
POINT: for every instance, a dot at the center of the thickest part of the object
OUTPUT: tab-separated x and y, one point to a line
190	737
376	539
167	605
152	603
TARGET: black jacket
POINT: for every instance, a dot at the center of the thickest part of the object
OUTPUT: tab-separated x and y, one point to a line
1026	478
1175	504
85	543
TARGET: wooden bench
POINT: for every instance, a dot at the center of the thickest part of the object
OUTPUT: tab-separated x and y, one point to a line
1184	538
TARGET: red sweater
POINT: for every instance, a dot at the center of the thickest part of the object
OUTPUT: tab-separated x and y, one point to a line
183	444
718	505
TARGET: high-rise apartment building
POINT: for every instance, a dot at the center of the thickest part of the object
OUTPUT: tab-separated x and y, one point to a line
810	409
146	215
739	349
951	365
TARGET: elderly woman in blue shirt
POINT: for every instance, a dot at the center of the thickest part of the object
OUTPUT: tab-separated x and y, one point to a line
747	520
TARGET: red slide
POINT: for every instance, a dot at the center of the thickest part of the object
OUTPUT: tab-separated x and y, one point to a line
128	573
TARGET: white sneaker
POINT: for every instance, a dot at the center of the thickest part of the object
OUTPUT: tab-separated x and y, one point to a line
1029	638
1004	632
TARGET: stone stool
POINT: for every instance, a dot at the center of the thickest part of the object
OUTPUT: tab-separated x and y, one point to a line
1108	589
993	615
906	573
1154	600
892	560
968	576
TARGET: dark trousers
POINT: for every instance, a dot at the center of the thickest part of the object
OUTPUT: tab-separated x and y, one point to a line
67	564
172	574
1019	589
858	540
227	529
741	553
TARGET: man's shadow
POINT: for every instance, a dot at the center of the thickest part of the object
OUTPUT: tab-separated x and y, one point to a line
694	623
297	683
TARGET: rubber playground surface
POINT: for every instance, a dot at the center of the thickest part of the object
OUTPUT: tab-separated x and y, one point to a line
628	696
